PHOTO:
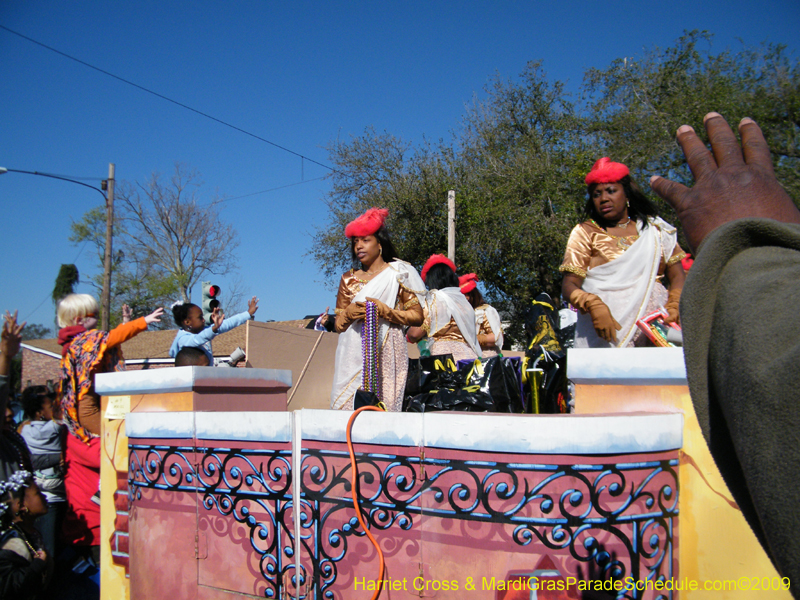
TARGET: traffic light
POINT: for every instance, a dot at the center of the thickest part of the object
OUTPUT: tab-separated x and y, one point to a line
211	294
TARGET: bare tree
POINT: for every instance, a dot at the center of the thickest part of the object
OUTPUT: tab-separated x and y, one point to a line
235	296
169	230
166	239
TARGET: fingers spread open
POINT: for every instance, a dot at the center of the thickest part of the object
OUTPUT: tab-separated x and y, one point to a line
754	146
670	191
723	141
697	155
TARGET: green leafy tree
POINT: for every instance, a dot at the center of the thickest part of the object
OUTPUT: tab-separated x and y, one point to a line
65	282
381	170
635	105
64	285
523	155
515	169
518	161
34	331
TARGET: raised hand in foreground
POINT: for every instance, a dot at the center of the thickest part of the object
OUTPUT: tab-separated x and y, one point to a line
735	182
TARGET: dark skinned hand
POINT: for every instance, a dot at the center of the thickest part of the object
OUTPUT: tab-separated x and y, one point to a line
217	317
11	335
10	339
355	311
735	182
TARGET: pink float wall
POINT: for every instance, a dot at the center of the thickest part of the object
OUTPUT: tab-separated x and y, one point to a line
443	517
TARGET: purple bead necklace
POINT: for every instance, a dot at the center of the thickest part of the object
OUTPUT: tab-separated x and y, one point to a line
370	374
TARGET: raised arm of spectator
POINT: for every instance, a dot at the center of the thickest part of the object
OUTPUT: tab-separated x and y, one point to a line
10	339
127	330
740	325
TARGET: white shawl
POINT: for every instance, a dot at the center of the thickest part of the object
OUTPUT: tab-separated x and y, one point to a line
349	361
450	302
490	314
625	283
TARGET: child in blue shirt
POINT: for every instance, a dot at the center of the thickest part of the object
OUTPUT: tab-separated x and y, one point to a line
45	438
194	333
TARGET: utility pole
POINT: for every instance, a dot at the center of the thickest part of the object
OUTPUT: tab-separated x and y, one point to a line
451	225
106	300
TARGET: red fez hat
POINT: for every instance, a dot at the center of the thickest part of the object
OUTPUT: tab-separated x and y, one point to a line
366	224
436	259
605	171
468	282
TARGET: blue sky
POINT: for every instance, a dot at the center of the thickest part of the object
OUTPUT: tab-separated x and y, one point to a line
299	74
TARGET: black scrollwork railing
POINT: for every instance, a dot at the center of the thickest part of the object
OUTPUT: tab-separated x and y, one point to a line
617	519
252	486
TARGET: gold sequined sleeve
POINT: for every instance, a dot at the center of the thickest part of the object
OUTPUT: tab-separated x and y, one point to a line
345	294
677	255
426	323
485	328
406	299
578	253
349	286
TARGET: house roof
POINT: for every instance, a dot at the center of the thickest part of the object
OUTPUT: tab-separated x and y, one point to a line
299	323
49	345
155	344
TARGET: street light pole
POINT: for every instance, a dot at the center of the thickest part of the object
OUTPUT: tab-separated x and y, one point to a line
109	200
107	259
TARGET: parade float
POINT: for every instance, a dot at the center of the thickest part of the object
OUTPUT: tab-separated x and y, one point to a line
238	483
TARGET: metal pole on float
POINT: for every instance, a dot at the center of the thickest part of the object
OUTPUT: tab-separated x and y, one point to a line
451	225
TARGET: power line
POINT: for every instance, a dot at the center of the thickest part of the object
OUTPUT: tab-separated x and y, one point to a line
149	91
73	180
288	185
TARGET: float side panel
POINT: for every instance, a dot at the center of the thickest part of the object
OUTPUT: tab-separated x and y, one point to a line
716	541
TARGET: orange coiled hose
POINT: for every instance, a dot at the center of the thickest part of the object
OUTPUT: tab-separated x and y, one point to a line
354	490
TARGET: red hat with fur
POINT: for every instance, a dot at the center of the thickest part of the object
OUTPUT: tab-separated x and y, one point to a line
605	171
436	259
366	224
467	283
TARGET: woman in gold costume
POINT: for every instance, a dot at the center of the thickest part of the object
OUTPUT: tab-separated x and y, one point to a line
616	259
396	289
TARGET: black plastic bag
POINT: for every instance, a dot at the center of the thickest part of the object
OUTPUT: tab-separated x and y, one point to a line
424	372
440	386
497	377
365	398
463	399
544	368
